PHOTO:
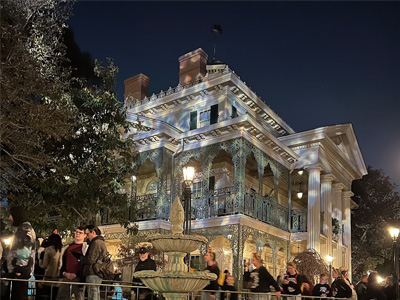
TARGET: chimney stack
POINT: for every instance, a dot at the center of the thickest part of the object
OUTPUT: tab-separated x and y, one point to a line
192	66
137	86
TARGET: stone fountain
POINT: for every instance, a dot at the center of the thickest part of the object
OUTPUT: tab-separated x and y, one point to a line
175	281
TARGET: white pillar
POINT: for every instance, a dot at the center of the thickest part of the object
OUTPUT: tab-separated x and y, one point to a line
347	227
326	207
314	206
337	213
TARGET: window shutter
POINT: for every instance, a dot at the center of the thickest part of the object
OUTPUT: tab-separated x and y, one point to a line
234	112
214	114
193	120
211	183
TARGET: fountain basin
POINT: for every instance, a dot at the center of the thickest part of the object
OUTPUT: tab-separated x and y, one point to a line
176	242
175	281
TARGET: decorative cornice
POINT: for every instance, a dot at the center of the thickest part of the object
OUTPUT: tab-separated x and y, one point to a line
314	167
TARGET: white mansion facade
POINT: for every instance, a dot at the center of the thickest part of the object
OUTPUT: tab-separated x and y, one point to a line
250	167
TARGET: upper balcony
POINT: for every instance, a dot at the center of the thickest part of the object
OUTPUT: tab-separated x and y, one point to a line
220	203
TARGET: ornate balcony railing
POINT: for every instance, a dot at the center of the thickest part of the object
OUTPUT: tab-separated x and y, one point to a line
220	202
299	220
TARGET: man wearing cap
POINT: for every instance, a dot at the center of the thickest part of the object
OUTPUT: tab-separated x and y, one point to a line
145	263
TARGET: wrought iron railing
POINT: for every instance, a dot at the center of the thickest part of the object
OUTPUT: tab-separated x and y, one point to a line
221	202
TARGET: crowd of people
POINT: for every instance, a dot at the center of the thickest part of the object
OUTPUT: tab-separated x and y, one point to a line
259	280
57	264
76	262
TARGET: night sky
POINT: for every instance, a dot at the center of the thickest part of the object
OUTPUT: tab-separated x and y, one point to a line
314	63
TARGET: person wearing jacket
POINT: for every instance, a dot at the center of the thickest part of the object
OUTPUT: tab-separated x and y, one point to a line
260	279
374	289
292	281
51	263
341	287
145	263
212	267
71	266
21	256
96	252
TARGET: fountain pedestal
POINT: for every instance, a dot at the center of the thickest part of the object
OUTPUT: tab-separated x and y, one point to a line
175	282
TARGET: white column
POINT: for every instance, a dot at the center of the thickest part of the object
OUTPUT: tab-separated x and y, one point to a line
326	207
347	227
337	213
314	206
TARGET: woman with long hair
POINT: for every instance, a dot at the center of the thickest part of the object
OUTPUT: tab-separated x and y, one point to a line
51	263
260	279
212	266
292	280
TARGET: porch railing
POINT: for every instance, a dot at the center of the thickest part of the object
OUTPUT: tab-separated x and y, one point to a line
221	202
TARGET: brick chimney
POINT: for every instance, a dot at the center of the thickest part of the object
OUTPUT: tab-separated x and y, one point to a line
192	66
137	86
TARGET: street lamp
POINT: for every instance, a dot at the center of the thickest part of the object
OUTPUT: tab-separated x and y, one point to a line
133	197
394	233
188	176
330	260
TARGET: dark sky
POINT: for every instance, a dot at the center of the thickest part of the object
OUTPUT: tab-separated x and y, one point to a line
313	63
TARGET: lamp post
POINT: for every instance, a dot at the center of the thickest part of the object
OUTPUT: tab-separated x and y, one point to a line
133	197
394	233
330	260
188	176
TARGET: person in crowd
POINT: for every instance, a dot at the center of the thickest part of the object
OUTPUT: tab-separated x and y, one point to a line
51	263
361	287
279	280
389	289
71	266
145	263
374	289
96	251
260	279
306	287
222	278
212	267
322	289
292	281
229	286
341	287
21	256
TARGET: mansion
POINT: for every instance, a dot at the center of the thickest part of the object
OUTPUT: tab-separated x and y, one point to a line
259	185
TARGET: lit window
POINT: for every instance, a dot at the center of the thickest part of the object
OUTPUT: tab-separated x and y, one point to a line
204	118
197	188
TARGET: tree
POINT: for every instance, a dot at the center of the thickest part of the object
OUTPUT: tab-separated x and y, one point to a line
63	155
34	107
90	164
378	208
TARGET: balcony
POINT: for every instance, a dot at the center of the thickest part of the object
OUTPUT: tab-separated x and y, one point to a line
220	202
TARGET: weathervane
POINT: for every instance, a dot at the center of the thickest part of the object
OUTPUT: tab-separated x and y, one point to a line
217	30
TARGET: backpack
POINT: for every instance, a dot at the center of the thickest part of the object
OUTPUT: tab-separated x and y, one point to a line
104	268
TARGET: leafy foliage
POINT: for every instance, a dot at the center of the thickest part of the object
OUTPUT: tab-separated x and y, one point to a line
63	155
34	107
379	208
91	163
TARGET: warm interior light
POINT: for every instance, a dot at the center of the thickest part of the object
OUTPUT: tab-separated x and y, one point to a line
7	241
188	174
300	172
329	258
394	233
299	194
